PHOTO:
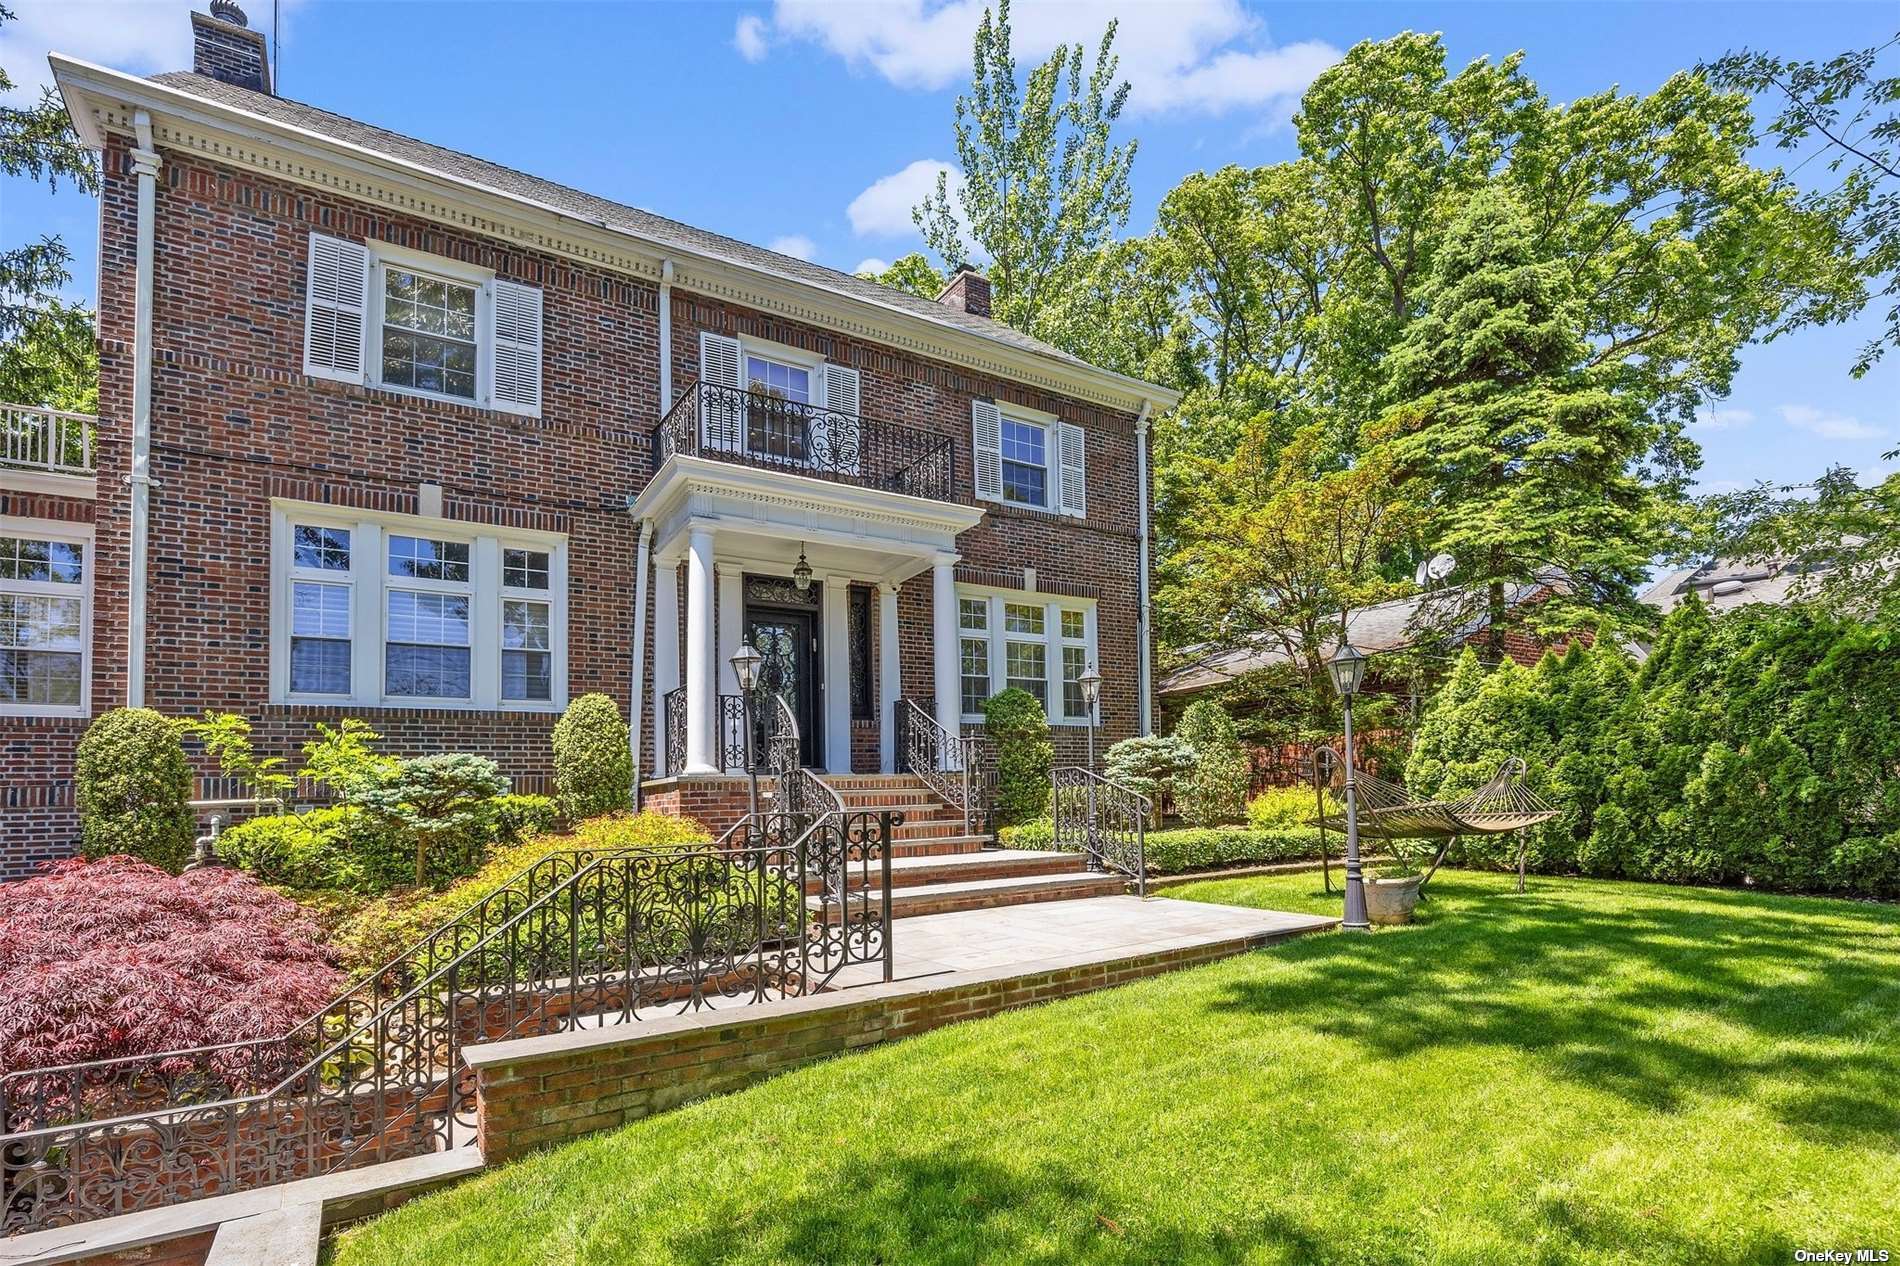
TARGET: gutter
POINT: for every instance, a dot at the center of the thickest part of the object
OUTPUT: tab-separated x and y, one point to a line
1143	615
145	164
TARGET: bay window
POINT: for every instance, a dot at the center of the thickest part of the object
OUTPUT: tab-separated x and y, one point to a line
1033	642
376	609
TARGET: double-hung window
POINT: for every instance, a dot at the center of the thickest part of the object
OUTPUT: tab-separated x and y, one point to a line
1025	463
428	339
428	645
1030	459
379	609
778	407
44	618
1031	642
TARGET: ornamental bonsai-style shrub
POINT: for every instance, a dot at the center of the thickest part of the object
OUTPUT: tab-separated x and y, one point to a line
116	957
593	768
1151	765
1016	725
446	805
132	786
1214	789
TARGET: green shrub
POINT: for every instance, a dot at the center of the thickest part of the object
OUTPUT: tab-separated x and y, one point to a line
593	768
520	817
446	805
132	786
343	759
1151	765
1214	788
383	929
339	849
1016	725
227	736
1034	833
1208	848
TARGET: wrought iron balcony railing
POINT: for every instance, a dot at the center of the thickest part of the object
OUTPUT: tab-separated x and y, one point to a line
754	428
33	438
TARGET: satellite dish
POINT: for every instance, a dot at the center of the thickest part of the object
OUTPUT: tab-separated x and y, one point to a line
1440	566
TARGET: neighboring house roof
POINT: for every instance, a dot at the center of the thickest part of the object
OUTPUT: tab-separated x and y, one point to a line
1385	626
613	215
1724	584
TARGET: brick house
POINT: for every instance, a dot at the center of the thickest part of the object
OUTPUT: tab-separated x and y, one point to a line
389	431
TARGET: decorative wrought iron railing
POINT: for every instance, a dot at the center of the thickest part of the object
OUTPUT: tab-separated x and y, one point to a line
728	715
33	438
777	909
754	428
951	765
1103	819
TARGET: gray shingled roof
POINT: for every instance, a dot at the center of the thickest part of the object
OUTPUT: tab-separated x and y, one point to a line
615	215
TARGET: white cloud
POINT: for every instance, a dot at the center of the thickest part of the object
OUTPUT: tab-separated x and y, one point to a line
1716	419
883	210
797	245
1829	425
749	37
132	35
1188	55
871	264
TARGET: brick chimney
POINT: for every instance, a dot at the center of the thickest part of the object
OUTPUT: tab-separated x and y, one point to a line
226	49
968	291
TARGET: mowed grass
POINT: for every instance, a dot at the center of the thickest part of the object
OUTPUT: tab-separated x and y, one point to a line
1589	1072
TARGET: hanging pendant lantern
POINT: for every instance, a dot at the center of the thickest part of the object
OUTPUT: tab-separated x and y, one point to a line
801	574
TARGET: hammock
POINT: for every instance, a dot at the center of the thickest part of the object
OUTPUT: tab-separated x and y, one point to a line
1502	805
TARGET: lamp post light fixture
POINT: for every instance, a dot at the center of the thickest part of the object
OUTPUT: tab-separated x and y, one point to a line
1348	667
745	669
1091	683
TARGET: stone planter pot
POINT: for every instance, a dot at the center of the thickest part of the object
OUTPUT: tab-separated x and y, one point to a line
1392	900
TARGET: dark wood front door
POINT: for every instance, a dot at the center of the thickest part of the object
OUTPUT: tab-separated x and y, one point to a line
788	642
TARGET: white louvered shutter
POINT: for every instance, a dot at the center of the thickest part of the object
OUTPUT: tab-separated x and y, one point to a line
336	296
722	402
986	443
1074	478
838	443
517	375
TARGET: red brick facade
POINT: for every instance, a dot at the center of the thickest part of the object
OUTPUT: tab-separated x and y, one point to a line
236	423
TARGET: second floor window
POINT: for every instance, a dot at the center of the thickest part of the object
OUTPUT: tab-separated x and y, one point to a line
1025	463
428	334
772	429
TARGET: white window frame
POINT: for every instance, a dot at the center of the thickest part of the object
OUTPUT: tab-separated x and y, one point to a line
383	257
370	583
792	358
70	534
295	575
1052	640
507	593
1051	463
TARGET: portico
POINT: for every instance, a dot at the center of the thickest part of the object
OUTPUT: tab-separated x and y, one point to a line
804	568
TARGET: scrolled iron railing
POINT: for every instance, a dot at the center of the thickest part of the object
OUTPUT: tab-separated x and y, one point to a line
755	428
1105	820
53	440
777	908
729	716
951	765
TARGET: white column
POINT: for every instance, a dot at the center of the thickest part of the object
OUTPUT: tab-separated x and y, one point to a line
702	683
943	638
836	615
890	682
731	631
666	653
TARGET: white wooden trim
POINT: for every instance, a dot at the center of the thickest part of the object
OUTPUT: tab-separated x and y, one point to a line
71	534
1052	607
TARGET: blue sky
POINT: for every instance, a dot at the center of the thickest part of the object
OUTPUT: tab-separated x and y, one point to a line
812	125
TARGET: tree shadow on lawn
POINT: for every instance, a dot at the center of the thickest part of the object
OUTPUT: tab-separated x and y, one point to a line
954	1207
1592	992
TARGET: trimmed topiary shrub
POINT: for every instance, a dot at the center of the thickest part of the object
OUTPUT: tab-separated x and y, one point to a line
116	957
1214	788
1015	724
1152	765
1283	808
446	805
593	769
520	817
132	786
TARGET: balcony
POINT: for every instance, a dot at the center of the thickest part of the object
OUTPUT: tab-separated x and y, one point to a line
46	441
751	428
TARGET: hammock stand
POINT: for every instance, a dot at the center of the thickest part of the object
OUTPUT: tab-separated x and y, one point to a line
1502	805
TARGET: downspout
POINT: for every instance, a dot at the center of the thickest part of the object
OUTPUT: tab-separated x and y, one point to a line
1145	673
636	719
145	163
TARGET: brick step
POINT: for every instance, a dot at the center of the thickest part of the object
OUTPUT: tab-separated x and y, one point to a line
942	846
874	782
901	800
982	894
919	869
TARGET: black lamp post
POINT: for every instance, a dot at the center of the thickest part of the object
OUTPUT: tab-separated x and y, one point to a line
1348	667
745	669
1091	683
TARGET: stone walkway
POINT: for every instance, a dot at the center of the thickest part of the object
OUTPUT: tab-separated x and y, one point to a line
970	941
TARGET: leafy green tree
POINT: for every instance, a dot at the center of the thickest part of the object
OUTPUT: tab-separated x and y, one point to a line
1524	455
1844	107
911	273
344	758
1044	188
1216	785
48	353
226	736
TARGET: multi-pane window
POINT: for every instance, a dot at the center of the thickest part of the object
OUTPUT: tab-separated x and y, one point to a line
1074	625
42	622
428	333
527	643
1025	463
973	618
776	415
524	568
427	652
1025	664
1075	661
320	610
421	559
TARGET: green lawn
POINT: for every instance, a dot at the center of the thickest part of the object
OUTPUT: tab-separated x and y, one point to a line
1590	1072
